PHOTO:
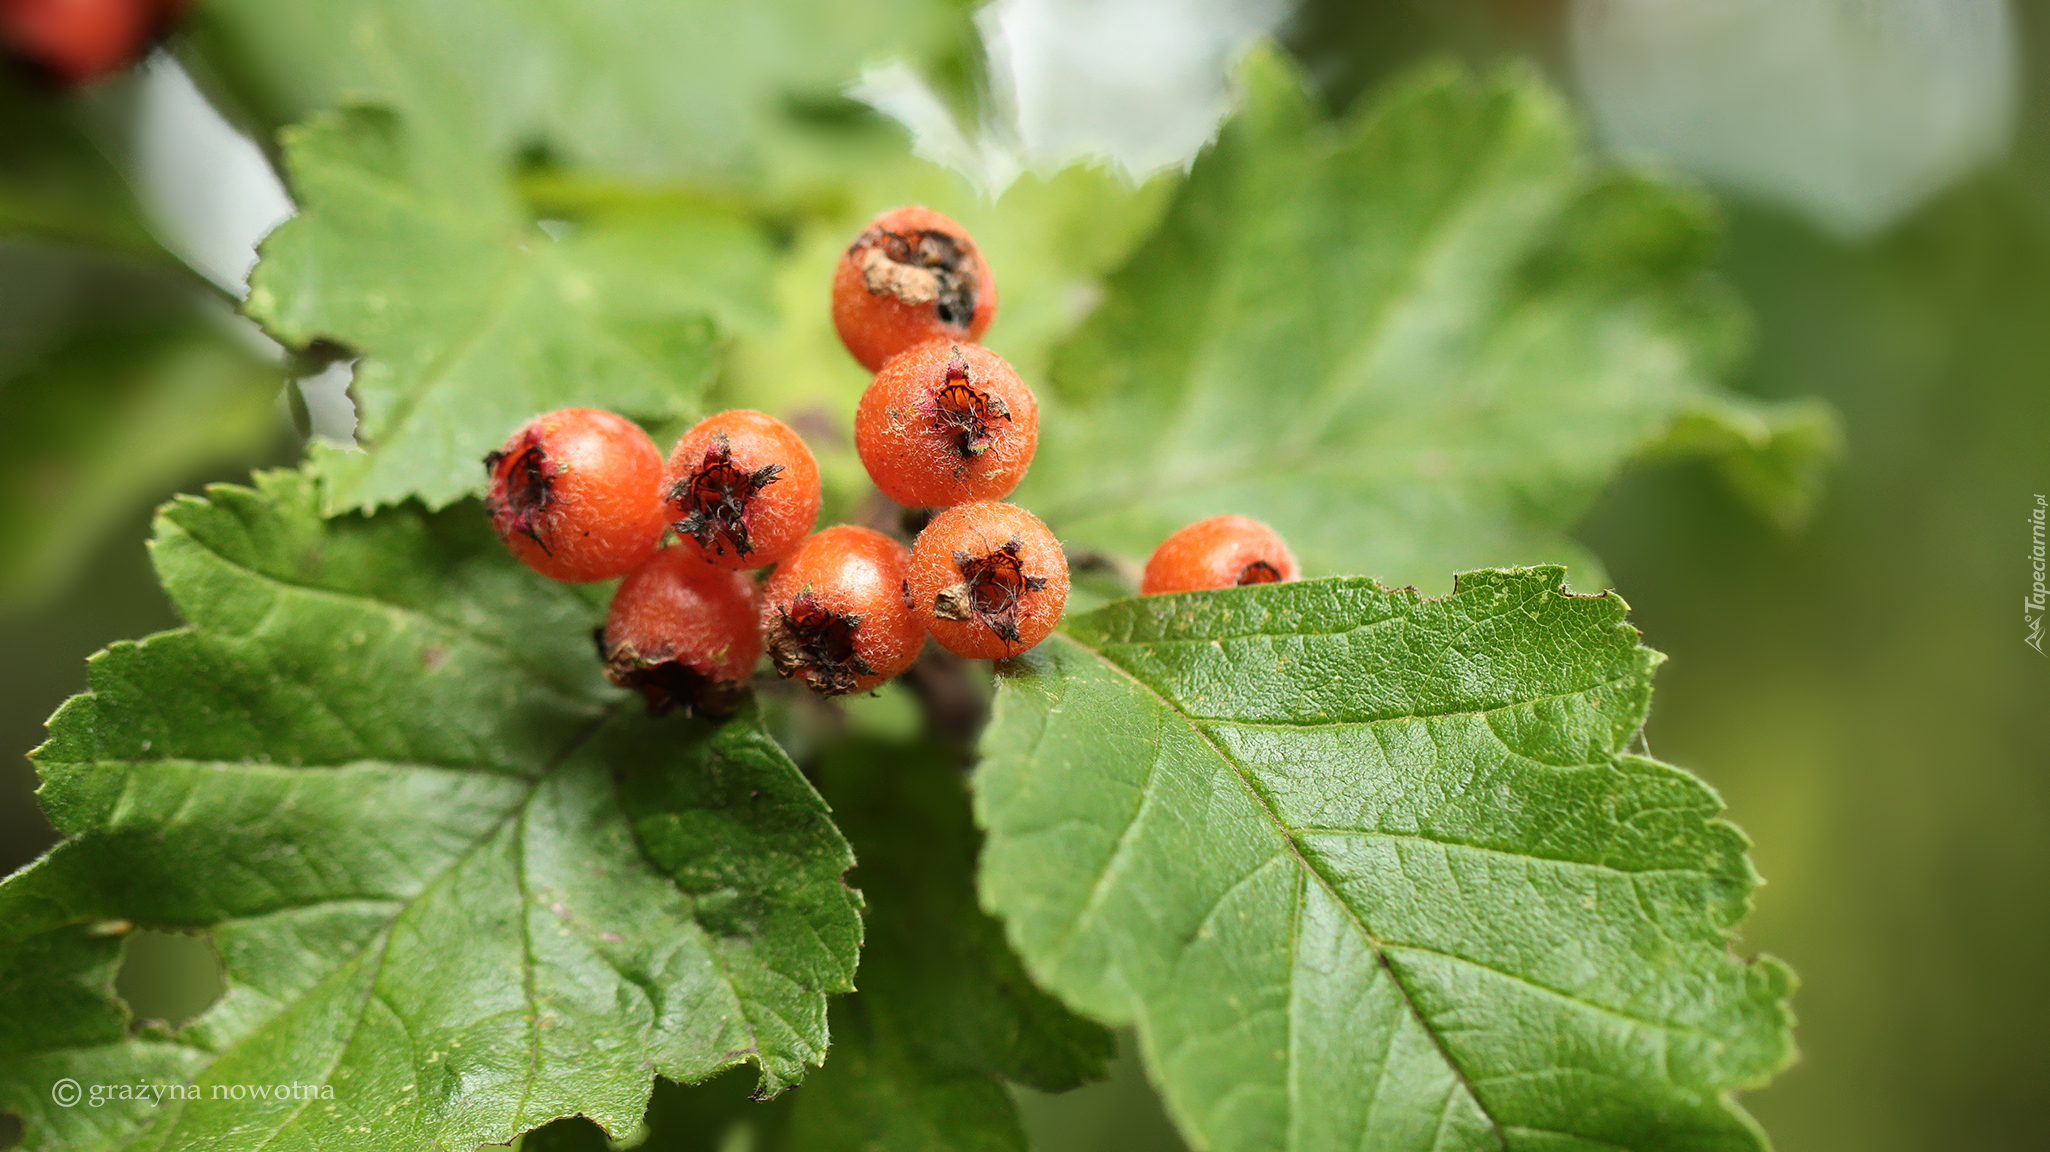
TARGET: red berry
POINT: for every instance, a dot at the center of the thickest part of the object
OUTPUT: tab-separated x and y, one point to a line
988	580
683	633
742	489
911	276
835	615
946	423
76	41
1218	553
577	494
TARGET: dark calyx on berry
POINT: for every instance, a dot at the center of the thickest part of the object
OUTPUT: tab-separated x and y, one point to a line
668	684
919	267
714	499
966	413
1259	572
990	589
812	642
529	490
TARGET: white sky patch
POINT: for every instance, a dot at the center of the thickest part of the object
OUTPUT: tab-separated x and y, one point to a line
328	407
209	192
1139	84
1852	111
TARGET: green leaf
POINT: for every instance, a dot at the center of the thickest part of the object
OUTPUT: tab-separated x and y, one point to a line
117	382
651	88
474	320
944	1015
1772	455
1420	339
457	887
1373	871
945	1012
937	965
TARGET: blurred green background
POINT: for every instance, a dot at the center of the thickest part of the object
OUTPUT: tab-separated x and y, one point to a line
1858	689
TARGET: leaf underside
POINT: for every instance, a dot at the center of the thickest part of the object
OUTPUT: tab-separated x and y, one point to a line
1373	871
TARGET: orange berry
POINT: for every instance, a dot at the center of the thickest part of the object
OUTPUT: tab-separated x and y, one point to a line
946	423
911	276
988	580
834	614
576	494
741	489
1219	552
683	633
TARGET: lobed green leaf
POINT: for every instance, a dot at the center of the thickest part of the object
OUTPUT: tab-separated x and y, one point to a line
457	889
647	88
1368	870
1417	340
471	318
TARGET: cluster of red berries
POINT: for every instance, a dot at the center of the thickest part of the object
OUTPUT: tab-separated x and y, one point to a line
581	495
77	41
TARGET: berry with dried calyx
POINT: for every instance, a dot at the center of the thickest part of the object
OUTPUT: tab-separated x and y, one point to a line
946	423
577	494
988	580
1220	552
911	276
742	489
834	614
684	634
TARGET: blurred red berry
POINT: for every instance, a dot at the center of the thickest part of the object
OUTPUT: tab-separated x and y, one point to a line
78	41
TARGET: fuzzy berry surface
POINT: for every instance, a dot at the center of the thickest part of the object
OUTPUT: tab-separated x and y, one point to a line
833	614
946	423
741	489
683	633
577	494
988	580
1218	552
912	276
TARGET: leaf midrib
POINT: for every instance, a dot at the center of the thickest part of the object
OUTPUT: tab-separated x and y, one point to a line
1383	949
530	788
370	995
1310	872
